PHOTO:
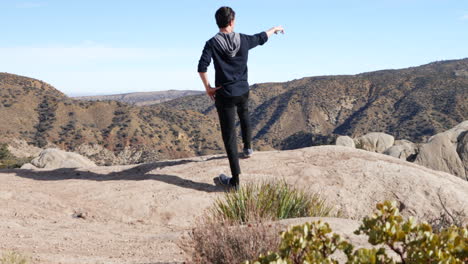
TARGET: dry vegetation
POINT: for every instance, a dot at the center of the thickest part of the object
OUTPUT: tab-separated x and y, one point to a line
240	225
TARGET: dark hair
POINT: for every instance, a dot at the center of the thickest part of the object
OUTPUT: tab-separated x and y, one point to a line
224	16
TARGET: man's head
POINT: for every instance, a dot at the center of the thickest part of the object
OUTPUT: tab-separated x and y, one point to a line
225	17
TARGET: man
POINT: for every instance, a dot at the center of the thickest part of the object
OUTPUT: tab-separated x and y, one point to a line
230	51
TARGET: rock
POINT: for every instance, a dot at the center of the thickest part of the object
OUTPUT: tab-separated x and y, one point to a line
375	142
21	149
345	141
127	156
462	150
170	196
56	158
28	166
440	152
402	149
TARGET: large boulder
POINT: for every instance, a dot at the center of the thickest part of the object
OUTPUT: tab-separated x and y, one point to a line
375	142
462	150
440	152
56	158
402	149
345	141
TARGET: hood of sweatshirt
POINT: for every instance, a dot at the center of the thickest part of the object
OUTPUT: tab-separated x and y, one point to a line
229	42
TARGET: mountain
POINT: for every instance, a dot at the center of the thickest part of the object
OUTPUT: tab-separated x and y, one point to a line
412	103
141	98
34	111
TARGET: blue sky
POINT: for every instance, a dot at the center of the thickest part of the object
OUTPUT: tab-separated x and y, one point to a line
104	47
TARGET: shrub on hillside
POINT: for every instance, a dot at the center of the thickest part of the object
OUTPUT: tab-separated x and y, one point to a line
269	200
222	241
4	152
412	242
8	161
238	227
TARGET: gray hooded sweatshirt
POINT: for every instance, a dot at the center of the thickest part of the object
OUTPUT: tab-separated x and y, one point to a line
229	42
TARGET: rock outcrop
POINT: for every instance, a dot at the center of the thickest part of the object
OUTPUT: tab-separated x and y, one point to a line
440	152
403	149
462	149
56	158
113	209
374	141
345	141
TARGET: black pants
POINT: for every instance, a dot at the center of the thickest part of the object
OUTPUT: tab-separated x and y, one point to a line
226	107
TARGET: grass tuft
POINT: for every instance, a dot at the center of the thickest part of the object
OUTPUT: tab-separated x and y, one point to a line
269	200
13	258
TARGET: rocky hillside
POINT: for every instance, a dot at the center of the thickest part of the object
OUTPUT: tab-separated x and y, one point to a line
412	103
142	98
108	131
139	213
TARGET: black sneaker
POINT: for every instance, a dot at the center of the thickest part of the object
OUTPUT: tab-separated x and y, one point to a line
228	182
248	153
224	179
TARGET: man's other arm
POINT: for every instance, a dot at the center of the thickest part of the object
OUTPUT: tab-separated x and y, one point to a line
203	64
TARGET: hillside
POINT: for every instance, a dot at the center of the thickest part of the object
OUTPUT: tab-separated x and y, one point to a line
139	213
43	116
141	98
411	103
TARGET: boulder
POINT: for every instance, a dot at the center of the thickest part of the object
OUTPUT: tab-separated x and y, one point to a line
375	142
462	150
28	166
56	158
402	149
345	141
440	152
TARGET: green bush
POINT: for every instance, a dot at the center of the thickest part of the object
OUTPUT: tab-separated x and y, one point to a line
4	152
412	242
8	161
269	200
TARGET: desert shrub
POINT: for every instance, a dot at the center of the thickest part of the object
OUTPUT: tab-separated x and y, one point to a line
269	200
238	226
13	258
446	217
8	160
223	241
412	242
4	152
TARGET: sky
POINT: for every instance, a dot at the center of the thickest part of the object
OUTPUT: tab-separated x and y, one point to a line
92	47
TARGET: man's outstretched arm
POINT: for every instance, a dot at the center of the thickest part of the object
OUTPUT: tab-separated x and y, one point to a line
275	30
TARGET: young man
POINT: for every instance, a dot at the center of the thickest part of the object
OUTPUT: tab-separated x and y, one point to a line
230	51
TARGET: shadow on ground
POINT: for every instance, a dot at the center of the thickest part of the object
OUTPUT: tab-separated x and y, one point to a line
137	173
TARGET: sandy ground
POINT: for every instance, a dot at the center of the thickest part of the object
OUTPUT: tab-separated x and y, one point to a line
137	214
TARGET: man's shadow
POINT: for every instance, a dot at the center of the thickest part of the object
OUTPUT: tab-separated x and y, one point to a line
137	173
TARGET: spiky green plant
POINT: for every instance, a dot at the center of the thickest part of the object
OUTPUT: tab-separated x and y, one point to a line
269	200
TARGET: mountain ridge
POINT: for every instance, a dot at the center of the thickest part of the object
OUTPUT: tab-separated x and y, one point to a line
412	103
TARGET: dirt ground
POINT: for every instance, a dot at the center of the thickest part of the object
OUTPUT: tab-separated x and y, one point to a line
138	213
